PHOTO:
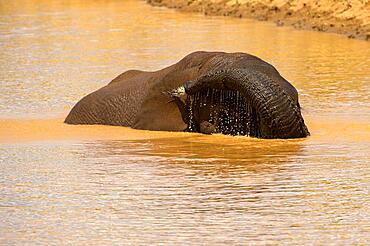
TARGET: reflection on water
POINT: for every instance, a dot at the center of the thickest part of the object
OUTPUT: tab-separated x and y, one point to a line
88	185
180	190
225	155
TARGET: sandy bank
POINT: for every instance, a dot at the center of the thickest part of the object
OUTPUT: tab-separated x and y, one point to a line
347	17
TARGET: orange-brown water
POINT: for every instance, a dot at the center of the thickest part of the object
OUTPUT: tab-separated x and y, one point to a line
41	130
63	184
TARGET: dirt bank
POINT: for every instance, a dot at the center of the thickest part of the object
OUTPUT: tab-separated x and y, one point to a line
347	17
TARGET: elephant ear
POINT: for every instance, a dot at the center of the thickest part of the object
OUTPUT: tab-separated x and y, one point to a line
159	111
278	113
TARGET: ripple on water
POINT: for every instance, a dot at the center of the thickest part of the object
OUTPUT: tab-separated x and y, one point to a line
170	190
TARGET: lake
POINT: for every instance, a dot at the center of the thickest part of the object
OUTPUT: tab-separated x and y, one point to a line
102	185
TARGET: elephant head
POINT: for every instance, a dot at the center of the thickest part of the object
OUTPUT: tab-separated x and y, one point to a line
207	92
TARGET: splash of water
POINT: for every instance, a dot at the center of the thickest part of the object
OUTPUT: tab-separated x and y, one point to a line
228	111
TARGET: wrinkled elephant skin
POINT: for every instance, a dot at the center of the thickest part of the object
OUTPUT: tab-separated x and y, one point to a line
207	92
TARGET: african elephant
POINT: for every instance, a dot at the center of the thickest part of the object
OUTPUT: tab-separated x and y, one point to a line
207	92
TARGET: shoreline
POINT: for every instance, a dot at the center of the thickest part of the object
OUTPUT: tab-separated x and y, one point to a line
351	20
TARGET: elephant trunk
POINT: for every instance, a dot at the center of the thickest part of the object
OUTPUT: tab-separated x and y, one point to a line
268	109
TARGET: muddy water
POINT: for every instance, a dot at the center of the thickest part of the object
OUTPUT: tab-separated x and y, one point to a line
84	185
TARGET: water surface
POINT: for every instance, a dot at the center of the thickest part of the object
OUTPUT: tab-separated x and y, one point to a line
84	185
